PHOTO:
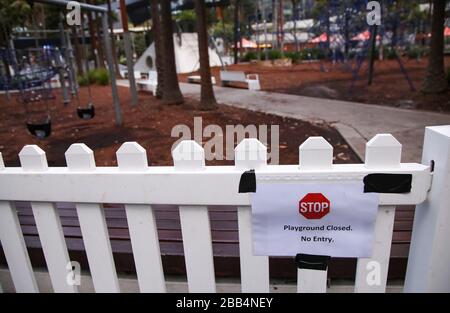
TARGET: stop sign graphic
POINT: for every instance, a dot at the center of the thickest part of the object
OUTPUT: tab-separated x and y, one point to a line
314	206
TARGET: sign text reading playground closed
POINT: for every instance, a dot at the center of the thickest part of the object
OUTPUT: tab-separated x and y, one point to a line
321	219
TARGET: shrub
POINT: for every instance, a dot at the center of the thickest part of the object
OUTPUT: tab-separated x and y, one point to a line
389	53
415	52
275	54
294	56
96	76
101	77
82	80
249	56
312	54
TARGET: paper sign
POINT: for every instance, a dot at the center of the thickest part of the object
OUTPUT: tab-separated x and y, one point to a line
335	220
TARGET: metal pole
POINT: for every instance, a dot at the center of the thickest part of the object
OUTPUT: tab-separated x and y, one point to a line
112	74
60	65
128	52
72	72
65	52
83	6
266	52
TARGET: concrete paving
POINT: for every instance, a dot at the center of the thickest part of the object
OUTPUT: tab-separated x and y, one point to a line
356	122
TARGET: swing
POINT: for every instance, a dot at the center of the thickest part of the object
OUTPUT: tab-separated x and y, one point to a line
40	130
87	112
35	90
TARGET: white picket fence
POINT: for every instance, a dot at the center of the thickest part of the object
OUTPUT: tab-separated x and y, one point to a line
193	186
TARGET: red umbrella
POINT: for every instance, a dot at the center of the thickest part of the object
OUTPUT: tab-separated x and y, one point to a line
247	44
447	32
321	38
364	36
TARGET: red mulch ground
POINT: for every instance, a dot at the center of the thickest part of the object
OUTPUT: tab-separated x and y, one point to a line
389	85
149	123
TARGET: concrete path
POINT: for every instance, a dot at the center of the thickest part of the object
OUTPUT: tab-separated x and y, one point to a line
356	122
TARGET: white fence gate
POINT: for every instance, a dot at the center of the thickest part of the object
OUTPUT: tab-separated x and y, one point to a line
193	186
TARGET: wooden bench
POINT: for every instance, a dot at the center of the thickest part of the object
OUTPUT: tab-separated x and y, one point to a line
196	79
149	84
252	80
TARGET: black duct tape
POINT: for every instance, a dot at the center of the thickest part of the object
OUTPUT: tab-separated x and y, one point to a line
247	184
388	183
312	262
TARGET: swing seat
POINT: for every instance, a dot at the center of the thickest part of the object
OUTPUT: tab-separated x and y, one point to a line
40	130
86	113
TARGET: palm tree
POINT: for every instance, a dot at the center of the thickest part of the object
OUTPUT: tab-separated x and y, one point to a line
156	29
171	92
207	98
435	81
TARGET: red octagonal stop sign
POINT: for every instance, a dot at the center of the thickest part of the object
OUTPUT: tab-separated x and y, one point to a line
314	206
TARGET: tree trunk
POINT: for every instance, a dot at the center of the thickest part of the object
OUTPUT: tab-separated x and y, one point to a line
207	98
281	26
171	93
113	39
328	26
236	31
435	81
156	28
295	18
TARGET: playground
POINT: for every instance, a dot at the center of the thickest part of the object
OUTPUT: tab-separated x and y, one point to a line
330	81
150	123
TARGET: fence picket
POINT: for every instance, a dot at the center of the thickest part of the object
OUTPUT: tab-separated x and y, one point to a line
14	247
314	153
93	226
382	151
250	154
195	224
142	226
51	235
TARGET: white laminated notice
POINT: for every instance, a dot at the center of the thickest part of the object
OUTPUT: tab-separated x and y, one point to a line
332	219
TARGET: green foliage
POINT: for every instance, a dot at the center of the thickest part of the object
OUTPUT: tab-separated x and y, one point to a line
82	80
275	54
139	43
416	52
100	76
312	54
249	56
294	56
97	76
388	53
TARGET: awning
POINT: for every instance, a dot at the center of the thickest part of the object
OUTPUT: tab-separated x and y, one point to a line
364	36
247	44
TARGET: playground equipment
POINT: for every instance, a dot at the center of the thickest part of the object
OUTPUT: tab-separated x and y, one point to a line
34	75
186	55
87	112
